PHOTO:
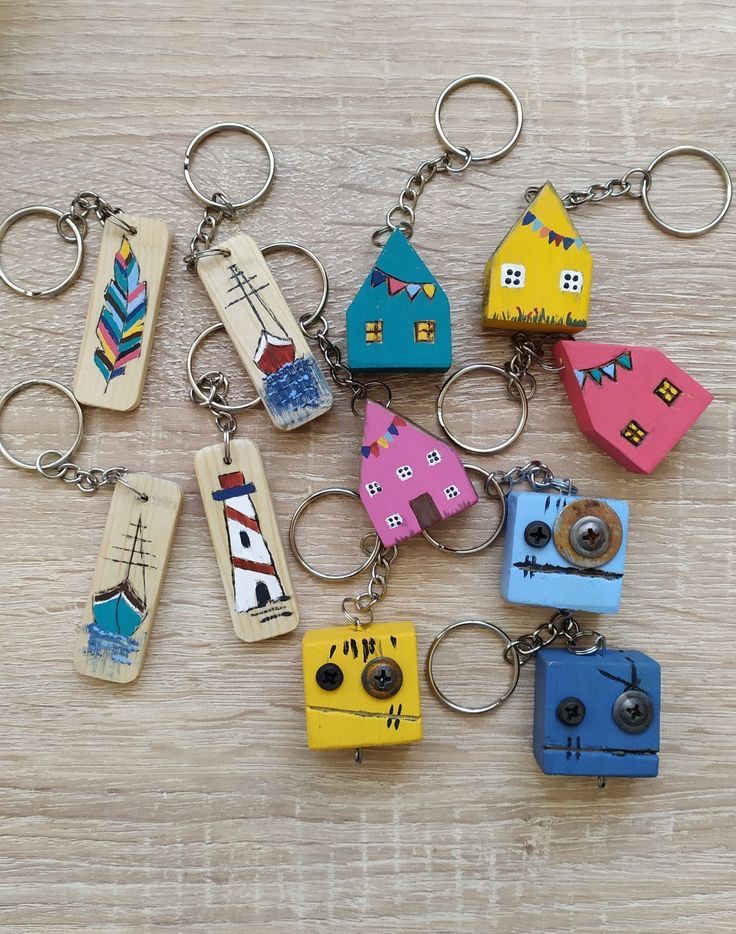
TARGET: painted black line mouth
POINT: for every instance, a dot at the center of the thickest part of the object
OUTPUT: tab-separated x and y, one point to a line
531	567
392	719
578	749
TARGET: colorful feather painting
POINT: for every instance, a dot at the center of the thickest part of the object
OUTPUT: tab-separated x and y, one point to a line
120	328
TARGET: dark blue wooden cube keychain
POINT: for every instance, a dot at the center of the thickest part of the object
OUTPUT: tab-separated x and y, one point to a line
400	317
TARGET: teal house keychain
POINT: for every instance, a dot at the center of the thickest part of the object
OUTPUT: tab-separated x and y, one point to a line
400	318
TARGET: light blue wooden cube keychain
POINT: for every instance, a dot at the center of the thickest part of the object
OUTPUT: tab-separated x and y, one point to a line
400	317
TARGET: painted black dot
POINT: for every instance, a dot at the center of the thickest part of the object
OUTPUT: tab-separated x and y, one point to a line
508	281
566	285
567	275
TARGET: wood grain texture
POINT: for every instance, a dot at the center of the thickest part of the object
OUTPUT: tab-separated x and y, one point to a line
135	549
151	247
189	801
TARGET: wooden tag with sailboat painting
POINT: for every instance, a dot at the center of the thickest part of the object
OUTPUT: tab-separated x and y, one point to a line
265	333
131	566
245	536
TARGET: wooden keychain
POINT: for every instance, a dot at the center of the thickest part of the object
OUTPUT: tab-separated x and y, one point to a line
634	402
237	501
250	305
400	317
118	618
117	338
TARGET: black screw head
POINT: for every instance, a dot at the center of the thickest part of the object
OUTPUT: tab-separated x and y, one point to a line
329	676
382	677
571	711
633	711
537	534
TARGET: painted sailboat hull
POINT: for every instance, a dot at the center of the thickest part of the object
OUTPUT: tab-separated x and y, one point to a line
119	610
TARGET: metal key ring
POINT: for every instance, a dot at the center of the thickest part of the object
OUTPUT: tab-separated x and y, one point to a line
210	131
59	387
194	383
297	248
687	151
300	510
471	624
489	480
46	210
519	396
464	150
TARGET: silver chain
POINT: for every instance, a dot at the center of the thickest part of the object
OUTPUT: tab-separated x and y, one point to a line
613	188
214	386
211	219
86	480
530	351
359	610
562	626
83	204
405	207
538	475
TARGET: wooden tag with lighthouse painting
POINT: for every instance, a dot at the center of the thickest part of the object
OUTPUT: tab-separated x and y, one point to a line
265	334
242	523
118	618
121	319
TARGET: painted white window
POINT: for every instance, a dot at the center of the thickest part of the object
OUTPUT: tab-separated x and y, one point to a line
571	281
403	473
451	492
434	457
373	488
513	275
394	521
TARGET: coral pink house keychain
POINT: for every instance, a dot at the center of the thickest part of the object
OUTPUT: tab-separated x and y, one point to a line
117	338
634	402
400	318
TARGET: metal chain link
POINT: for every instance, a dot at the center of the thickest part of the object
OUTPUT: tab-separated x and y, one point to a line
201	243
214	386
405	207
538	475
86	480
83	204
613	188
528	351
359	610
562	626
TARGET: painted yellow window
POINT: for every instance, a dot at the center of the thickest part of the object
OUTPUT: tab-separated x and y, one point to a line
667	391
374	332
634	433
424	332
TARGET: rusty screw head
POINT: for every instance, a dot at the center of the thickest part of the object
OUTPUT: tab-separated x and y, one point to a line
633	711
329	676
571	711
537	534
382	677
590	536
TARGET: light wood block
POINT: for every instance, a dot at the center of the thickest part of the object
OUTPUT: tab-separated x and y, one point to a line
121	320
118	618
265	334
245	536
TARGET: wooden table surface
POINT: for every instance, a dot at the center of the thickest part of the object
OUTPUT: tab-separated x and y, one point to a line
188	800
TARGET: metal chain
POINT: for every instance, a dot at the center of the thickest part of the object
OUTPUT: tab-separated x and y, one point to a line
613	188
529	351
83	204
86	480
359	610
405	207
562	625
316	328
538	475
201	242
214	386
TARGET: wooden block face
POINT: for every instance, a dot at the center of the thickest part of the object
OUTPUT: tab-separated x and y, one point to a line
400	318
121	319
242	523
118	618
597	714
265	334
633	402
551	561
409	479
539	278
344	668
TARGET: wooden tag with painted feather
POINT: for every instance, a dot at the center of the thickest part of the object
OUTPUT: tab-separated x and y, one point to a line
121	320
131	566
245	536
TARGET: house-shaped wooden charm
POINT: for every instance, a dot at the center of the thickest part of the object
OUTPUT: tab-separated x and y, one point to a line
400	318
633	402
539	277
409	480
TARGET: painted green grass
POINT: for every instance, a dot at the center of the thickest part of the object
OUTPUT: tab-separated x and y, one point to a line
539	316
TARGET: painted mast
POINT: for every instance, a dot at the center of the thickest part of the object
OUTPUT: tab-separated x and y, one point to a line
272	351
